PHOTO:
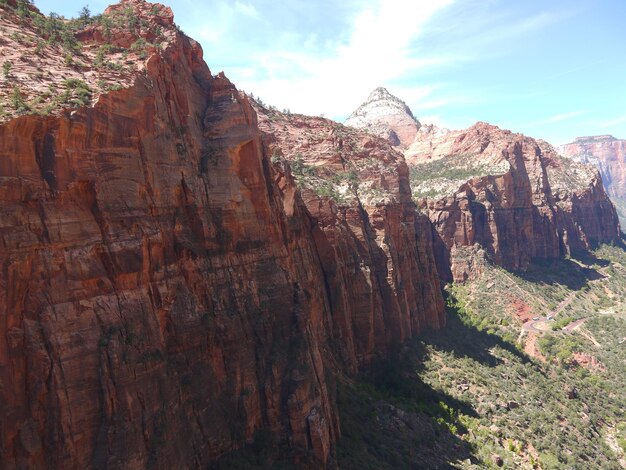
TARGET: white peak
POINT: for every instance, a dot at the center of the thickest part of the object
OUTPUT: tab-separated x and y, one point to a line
385	115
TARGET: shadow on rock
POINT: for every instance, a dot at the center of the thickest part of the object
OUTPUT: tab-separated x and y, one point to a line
565	272
463	339
391	419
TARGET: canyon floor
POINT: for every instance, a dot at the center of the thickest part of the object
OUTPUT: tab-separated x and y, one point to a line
494	403
474	396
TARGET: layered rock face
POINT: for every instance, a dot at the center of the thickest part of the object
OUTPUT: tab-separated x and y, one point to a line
375	249
539	205
608	154
165	292
605	152
494	194
386	116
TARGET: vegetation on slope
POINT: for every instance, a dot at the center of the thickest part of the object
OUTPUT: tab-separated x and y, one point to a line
469	396
500	406
438	178
43	54
330	159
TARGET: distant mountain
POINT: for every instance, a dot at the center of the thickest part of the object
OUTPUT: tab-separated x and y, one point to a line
608	154
491	193
386	116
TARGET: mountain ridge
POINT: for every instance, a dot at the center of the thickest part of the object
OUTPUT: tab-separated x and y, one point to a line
493	193
387	116
187	273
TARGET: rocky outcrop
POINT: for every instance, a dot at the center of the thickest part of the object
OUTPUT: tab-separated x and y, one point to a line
386	116
375	249
493	195
608	154
51	64
153	315
166	295
540	206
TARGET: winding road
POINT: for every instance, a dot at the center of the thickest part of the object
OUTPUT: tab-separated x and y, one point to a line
543	324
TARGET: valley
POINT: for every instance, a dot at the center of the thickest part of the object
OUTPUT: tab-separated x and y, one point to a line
489	400
191	278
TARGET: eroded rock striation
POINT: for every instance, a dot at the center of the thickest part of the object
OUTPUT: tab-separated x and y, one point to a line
493	194
166	293
375	249
608	154
386	116
539	205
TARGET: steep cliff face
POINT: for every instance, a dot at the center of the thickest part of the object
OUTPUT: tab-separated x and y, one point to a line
153	313
165	293
608	154
520	200
375	249
605	152
386	116
492	194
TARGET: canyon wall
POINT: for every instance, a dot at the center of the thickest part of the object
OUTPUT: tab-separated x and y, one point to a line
608	155
166	293
493	195
375	249
539	206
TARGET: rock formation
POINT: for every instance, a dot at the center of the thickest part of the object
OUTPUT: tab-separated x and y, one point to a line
166	295
539	205
386	116
500	195
608	154
375	249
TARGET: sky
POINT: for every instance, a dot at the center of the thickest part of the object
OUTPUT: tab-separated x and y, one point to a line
551	69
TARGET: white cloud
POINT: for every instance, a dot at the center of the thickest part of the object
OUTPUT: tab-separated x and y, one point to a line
564	116
613	122
557	118
376	52
375	43
434	119
246	9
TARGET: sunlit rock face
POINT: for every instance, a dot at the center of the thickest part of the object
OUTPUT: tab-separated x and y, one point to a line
166	294
605	152
386	116
608	154
494	194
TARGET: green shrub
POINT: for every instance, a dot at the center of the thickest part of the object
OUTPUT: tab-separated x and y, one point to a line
17	101
77	92
561	323
23	8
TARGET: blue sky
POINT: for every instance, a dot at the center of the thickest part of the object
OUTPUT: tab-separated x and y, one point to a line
551	69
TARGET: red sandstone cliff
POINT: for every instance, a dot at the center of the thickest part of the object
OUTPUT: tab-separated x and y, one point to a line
165	293
520	200
375	249
608	154
493	194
